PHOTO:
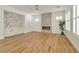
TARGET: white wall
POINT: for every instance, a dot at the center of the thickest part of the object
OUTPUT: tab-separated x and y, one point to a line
31	24
36	25
55	23
28	22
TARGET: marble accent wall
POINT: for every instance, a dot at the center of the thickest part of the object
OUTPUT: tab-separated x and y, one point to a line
13	23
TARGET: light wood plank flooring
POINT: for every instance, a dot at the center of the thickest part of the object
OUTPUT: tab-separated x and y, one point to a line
36	42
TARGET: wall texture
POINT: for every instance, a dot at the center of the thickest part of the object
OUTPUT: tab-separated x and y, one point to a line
46	19
13	23
2	9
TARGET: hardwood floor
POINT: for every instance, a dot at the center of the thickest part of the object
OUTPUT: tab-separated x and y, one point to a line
36	42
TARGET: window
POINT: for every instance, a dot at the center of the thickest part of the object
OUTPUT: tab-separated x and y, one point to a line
76	19
74	24
68	25
37	20
67	16
59	18
78	26
74	11
77	11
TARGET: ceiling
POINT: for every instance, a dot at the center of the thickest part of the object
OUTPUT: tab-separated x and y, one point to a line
41	8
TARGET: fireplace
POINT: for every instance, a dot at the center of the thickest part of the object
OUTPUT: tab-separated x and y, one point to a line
46	28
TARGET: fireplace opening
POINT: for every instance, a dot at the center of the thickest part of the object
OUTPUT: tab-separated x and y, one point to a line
46	28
